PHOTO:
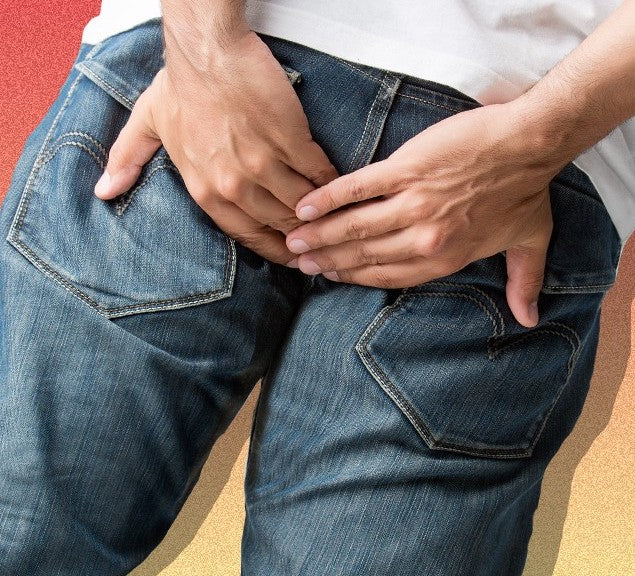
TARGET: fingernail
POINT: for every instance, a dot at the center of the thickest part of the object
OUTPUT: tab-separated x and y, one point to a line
298	246
533	312
310	267
103	185
292	264
331	276
307	213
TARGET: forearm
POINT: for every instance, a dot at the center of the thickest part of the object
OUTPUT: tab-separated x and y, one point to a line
588	94
197	30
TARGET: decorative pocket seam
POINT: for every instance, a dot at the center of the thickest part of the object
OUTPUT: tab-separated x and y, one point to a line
495	347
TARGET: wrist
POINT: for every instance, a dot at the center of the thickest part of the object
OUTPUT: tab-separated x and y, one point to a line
523	136
589	93
549	128
199	36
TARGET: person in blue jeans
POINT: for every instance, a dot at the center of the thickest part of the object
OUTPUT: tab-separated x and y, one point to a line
409	271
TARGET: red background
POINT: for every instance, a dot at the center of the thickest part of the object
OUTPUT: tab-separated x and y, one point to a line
38	44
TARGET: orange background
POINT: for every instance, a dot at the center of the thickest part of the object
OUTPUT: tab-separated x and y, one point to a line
585	524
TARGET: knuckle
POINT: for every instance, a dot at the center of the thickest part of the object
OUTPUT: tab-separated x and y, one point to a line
345	276
325	261
285	224
533	279
248	238
313	235
198	192
355	229
431	244
118	154
420	208
231	188
365	255
382	279
355	190
322	174
328	199
257	165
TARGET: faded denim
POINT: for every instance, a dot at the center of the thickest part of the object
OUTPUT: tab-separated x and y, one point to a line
399	432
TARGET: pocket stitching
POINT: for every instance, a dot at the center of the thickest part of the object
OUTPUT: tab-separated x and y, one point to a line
53	152
18	219
404	405
572	337
124	202
393	392
45	156
150	306
105	85
498	322
85	135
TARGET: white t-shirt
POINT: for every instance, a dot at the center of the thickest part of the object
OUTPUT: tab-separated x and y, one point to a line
492	51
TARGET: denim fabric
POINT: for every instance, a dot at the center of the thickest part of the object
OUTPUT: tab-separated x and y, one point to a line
399	432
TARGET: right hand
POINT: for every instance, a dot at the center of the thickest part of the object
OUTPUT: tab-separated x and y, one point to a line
238	135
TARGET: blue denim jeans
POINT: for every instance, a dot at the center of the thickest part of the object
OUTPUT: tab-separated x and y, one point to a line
400	432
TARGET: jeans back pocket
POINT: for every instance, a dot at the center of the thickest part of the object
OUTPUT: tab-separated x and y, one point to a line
151	249
444	354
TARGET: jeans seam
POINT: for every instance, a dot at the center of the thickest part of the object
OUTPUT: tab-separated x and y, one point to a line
96	78
352	66
559	288
375	121
369	119
431	103
20	214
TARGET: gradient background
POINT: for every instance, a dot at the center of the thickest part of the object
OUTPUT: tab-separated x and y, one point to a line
585	524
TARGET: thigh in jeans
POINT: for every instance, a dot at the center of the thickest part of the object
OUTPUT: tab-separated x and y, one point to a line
407	432
131	333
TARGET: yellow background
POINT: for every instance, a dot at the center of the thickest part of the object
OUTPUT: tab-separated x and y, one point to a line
585	523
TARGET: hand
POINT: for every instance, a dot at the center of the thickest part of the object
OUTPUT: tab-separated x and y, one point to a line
236	131
466	188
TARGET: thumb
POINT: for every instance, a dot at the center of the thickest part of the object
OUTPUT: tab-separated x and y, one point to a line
136	144
526	272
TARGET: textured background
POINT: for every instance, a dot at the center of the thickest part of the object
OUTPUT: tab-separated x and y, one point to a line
585	525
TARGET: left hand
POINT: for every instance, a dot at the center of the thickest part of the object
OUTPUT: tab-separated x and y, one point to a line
469	187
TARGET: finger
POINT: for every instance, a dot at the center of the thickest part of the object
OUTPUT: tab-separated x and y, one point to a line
136	144
259	238
384	249
371	218
525	272
369	182
402	274
281	181
312	162
256	202
525	275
